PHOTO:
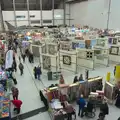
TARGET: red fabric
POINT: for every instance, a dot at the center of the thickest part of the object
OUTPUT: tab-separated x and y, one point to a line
17	103
3	47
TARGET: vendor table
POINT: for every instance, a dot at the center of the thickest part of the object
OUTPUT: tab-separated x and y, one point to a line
4	105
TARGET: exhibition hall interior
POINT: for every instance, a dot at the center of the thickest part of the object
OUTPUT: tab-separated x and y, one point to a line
59	60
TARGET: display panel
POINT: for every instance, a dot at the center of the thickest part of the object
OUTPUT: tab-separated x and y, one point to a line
114	50
66	60
51	49
46	62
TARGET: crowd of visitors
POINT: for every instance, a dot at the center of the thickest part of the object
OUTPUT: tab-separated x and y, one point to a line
83	105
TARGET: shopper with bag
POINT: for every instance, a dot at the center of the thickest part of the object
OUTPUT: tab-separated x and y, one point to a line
21	67
17	105
15	93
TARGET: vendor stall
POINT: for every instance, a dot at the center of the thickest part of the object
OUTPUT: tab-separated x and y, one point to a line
4	105
109	90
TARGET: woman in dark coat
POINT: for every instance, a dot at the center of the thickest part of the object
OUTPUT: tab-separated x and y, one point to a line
104	109
117	103
75	79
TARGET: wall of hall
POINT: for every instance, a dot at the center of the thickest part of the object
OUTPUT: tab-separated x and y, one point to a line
22	17
94	13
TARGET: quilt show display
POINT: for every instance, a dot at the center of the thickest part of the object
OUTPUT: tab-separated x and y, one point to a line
85	53
46	62
102	42
114	40
101	56
66	60
89	54
44	49
85	58
36	51
65	45
114	50
52	49
78	44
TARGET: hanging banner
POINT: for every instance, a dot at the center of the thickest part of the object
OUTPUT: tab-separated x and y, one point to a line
9	59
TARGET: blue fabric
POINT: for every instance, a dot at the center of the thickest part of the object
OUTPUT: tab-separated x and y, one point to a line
82	103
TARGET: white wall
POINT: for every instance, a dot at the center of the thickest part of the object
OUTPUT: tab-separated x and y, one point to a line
94	13
8	15
58	16
46	15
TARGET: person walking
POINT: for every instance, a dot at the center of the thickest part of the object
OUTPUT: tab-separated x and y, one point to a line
117	103
19	59
14	78
21	67
23	57
32	58
35	72
14	66
81	77
69	110
104	109
75	79
38	72
15	93
17	105
81	103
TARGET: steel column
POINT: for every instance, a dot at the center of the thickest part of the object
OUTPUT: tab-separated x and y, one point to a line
14	8
53	12
41	17
64	8
1	19
108	19
28	9
69	14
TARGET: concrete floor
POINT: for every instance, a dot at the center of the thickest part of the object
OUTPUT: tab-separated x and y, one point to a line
29	89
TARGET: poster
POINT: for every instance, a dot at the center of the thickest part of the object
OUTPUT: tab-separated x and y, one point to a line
9	59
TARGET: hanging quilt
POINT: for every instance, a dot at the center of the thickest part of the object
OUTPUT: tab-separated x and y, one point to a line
65	46
44	50
51	49
114	50
89	55
46	62
66	60
118	39
82	54
75	45
114	41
